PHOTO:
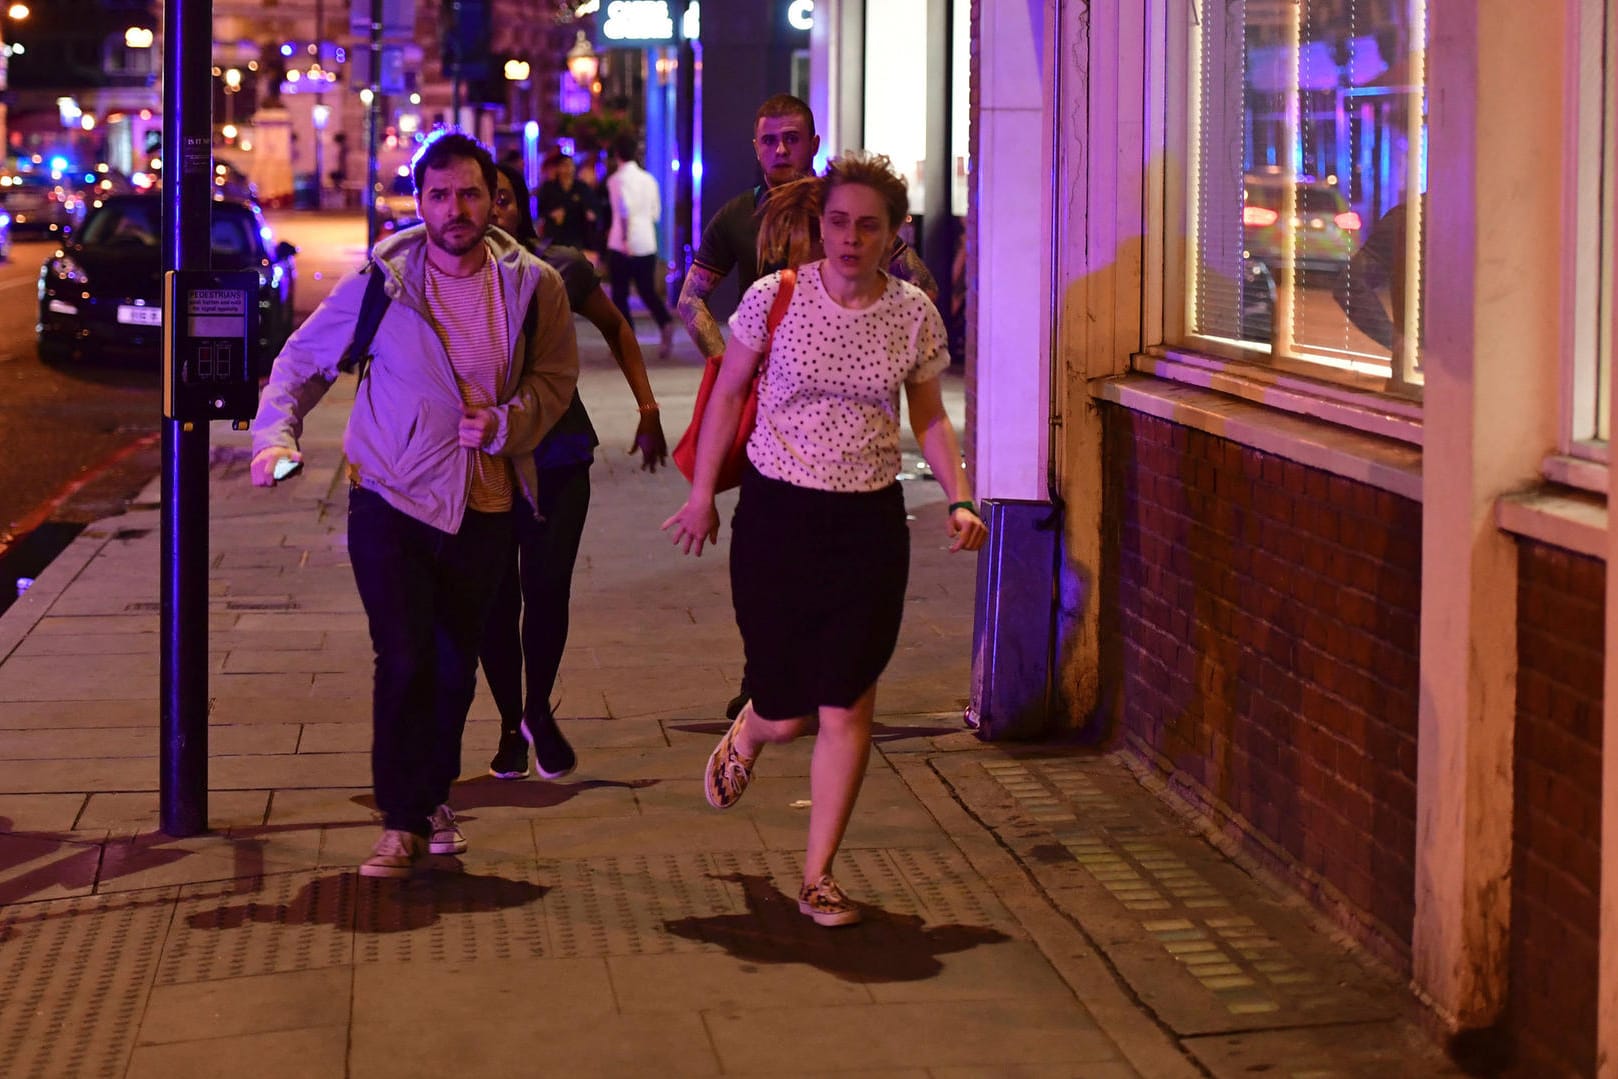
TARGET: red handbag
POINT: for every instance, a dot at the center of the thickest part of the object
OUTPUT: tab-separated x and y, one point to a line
730	467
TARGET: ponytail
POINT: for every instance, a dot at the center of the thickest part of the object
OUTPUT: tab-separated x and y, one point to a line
789	232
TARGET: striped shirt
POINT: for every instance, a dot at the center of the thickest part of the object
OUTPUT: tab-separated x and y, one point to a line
469	316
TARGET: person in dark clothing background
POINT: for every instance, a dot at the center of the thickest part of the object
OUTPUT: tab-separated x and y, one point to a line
567	209
527	626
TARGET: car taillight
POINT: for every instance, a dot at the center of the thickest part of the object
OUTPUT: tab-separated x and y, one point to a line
1348	220
1259	217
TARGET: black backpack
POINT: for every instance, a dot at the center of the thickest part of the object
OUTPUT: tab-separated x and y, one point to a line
357	356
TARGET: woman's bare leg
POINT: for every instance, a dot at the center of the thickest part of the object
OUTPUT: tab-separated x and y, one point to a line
842	749
757	732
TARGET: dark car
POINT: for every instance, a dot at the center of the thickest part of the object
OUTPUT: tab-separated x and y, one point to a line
41	203
101	293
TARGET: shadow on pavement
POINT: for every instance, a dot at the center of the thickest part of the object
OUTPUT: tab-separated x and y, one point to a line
485	792
885	947
345	900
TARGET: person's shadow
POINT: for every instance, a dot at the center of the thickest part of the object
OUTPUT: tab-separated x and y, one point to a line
483	792
884	947
349	902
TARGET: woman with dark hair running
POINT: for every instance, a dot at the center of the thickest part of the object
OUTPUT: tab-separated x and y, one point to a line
820	551
527	628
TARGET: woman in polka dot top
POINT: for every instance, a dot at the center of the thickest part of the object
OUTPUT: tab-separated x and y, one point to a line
820	551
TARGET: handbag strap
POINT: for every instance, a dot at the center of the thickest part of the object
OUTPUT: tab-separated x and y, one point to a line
778	311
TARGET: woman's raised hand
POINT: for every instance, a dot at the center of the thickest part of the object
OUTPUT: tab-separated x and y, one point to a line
695	523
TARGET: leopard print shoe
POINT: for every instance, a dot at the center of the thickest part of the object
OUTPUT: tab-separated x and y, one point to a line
725	778
825	902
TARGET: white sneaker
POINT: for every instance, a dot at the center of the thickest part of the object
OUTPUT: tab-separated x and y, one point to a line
445	836
395	855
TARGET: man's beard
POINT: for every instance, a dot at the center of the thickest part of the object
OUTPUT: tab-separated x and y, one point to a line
439	239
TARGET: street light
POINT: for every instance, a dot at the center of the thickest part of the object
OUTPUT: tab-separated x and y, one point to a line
17	12
138	37
517	70
233	86
582	62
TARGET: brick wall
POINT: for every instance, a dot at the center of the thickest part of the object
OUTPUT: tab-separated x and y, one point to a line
1261	621
1556	826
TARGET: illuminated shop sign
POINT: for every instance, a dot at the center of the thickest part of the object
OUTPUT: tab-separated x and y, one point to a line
638	20
801	14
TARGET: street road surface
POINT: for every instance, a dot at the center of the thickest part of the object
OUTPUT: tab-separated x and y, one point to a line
79	440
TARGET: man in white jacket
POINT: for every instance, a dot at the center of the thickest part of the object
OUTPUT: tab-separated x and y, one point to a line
474	359
632	241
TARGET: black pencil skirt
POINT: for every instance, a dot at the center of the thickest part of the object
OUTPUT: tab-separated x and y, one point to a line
818	580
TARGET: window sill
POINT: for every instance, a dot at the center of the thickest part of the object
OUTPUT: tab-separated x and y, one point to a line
1390	464
1573	520
1373	413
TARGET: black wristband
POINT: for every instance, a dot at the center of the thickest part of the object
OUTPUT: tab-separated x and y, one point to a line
966	505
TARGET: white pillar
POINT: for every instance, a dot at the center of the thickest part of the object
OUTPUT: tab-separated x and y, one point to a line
1490	357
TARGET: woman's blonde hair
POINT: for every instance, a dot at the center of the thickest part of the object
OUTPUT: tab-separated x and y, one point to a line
789	231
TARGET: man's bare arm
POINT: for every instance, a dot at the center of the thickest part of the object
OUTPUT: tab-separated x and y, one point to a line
693	310
907	266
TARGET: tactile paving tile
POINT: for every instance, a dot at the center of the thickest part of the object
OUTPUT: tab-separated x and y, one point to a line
493	913
1249	974
76	974
268	925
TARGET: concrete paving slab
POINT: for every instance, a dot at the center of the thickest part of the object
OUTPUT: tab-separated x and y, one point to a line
37	868
53	715
90	644
39	812
85	775
326	805
129	813
155	861
42	678
669	832
517	1012
310	1053
1357	1051
270	658
1000	970
712	981
230	1007
304	770
70	743
355	708
934	1034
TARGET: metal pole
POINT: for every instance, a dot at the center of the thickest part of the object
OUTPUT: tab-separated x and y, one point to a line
373	122
685	97
320	102
188	157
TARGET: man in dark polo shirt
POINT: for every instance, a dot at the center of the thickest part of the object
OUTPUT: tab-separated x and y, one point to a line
785	144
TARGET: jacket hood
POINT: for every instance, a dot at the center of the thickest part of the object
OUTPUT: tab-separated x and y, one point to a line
403	258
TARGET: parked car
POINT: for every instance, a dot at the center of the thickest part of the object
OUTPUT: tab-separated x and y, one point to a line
1327	227
101	292
41	202
396	203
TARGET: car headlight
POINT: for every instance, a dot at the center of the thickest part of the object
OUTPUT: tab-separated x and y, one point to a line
67	269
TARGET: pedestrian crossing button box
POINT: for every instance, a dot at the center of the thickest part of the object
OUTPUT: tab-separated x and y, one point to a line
208	348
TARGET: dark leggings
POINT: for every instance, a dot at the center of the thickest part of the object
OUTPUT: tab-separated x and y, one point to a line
527	627
642	271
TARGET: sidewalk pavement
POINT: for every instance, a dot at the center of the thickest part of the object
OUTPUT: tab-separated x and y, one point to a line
1032	910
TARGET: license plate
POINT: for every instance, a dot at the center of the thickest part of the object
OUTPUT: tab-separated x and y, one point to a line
140	316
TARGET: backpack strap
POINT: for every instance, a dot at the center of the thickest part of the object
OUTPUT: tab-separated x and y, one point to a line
357	357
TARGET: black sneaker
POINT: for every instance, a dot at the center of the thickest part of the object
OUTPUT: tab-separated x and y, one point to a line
511	759
553	757
737	703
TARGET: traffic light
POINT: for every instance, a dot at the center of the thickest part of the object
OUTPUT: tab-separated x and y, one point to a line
463	31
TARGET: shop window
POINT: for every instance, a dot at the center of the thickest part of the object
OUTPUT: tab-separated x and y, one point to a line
1594	238
1306	186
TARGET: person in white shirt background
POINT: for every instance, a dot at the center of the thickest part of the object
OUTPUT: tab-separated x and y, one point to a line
632	240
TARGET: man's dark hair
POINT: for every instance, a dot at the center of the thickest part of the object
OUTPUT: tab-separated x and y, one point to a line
785	105
554	158
624	147
448	144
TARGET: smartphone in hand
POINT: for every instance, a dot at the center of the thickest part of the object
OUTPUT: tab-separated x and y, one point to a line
286	468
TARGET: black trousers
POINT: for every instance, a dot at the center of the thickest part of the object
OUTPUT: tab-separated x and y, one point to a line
642	270
527	627
426	594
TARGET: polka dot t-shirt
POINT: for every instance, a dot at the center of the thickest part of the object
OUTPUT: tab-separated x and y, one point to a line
828	405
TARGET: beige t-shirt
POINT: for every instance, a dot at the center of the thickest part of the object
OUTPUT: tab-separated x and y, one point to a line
828	404
469	316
